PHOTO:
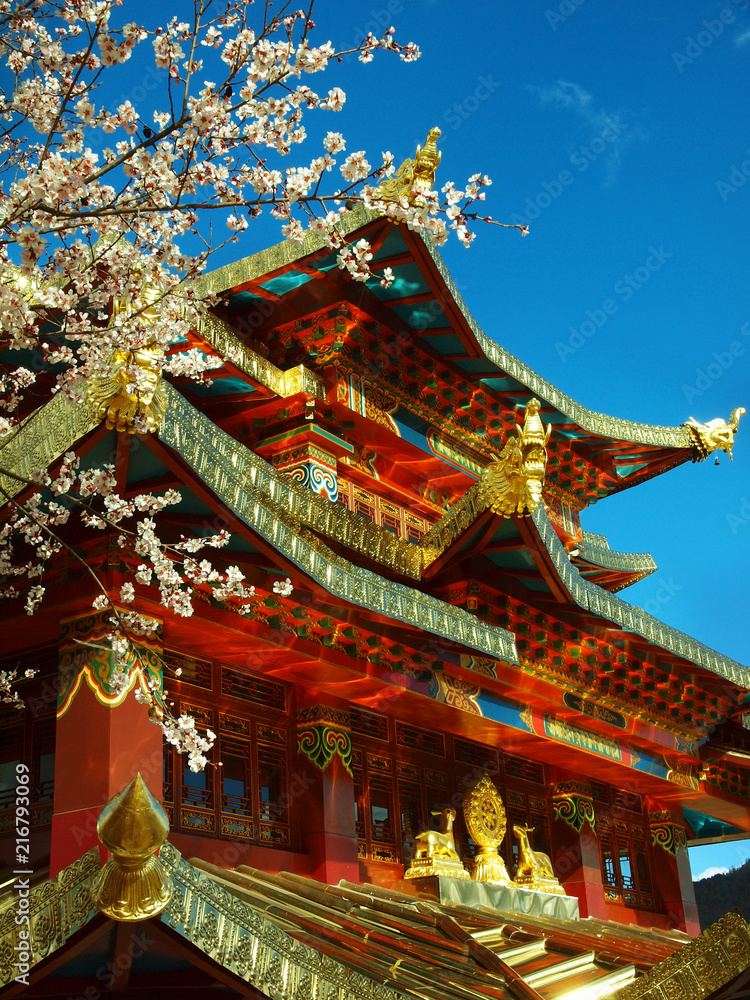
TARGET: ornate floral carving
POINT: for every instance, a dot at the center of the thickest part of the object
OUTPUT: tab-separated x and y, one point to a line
251	946
85	657
57	909
699	968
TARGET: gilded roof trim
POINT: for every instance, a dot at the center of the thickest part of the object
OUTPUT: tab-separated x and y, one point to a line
595	549
41	438
245	942
57	909
699	968
266	261
590	597
453	523
272	258
282	511
587	420
221	336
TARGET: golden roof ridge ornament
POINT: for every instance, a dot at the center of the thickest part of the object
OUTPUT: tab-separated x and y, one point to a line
133	397
716	435
133	884
415	178
512	484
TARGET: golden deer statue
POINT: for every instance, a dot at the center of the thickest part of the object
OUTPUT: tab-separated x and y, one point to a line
534	867
431	844
435	852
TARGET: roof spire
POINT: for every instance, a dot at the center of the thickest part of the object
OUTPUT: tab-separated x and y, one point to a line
415	178
132	884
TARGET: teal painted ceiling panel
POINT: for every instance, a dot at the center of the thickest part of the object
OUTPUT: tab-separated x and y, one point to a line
449	344
392	245
221	387
408	280
286	282
422	315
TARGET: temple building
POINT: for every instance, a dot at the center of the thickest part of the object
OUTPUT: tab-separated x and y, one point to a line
454	760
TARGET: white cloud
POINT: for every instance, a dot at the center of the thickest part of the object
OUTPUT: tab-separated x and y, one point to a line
710	872
743	39
565	93
573	97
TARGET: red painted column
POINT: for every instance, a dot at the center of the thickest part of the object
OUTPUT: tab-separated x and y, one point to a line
575	847
326	810
674	880
102	740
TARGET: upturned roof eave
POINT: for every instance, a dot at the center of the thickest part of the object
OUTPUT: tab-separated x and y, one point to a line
592	423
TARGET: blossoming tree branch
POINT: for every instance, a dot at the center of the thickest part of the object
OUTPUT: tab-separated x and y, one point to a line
96	245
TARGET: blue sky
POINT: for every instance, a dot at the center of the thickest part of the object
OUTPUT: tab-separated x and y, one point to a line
619	131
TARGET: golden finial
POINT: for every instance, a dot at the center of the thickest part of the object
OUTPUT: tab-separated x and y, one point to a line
426	163
132	885
415	178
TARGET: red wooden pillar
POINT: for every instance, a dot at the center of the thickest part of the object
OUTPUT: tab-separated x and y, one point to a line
575	847
673	876
326	811
102	739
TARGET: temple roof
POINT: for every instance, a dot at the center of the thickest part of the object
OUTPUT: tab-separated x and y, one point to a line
609	569
591	453
293	518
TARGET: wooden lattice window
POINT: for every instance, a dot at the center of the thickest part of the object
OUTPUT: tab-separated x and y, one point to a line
394	800
369	724
28	737
624	847
402	788
11	754
189	669
424	740
253	688
248	796
388	515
